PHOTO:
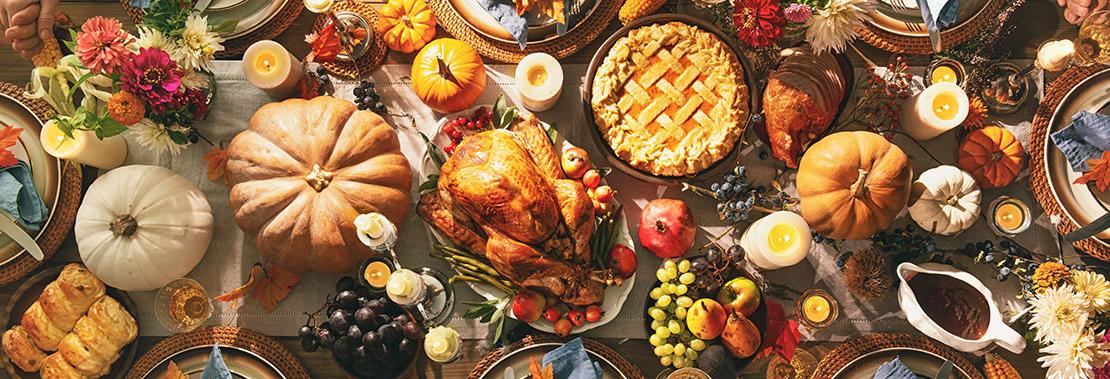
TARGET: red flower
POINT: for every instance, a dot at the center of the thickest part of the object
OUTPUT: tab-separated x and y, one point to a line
199	100
758	22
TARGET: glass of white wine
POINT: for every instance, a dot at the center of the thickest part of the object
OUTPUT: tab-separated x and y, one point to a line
182	305
1093	44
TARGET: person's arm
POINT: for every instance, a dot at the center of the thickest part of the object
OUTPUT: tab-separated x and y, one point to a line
26	23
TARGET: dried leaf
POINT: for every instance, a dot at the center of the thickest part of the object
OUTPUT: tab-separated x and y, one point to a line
325	45
233	297
174	372
275	287
545	372
215	164
9	136
782	335
1099	173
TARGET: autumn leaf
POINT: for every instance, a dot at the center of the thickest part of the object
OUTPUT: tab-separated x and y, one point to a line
233	297
782	335
215	164
325	45
547	372
1099	173
9	136
277	284
174	372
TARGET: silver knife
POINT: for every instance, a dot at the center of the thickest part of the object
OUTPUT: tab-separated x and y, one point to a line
934	39
510	373
934	32
945	371
12	229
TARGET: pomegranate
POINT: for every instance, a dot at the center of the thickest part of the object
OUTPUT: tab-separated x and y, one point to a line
666	227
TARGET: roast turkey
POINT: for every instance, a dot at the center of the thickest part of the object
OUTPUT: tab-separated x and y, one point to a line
503	193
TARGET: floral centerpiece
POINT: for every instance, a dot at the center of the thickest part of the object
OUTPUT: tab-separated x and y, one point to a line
156	84
1069	317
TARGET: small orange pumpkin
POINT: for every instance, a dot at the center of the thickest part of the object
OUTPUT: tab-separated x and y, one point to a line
406	25
993	156
448	75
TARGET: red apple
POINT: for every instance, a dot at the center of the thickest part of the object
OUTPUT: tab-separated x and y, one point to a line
575	162
591	179
576	317
604	194
623	260
552	314
666	228
528	305
593	313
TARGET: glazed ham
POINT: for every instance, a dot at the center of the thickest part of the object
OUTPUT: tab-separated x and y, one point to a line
801	101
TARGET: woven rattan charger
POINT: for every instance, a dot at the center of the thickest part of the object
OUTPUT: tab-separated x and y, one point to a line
622	365
561	47
920	45
844	354
236	46
265	347
1038	175
65	209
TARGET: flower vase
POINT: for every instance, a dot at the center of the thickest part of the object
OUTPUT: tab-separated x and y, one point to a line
84	147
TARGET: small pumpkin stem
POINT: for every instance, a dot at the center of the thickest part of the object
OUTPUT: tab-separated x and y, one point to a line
124	226
952	200
319	179
445	70
996	156
859	188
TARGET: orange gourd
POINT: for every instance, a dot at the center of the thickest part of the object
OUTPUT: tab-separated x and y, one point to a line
853	184
448	75
993	156
406	25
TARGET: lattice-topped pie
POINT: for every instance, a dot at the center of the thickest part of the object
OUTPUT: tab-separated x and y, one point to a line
670	99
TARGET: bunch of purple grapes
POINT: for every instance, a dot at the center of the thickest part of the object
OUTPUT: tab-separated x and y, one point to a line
369	335
714	267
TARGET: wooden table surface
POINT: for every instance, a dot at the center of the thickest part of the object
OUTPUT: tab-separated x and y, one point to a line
1037	21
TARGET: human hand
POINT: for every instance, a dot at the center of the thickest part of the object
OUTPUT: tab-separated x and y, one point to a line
25	23
1077	10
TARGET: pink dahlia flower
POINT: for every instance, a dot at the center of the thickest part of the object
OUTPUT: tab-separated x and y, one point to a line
799	13
152	75
102	45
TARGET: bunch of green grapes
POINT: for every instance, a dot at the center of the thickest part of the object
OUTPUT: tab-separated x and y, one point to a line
674	345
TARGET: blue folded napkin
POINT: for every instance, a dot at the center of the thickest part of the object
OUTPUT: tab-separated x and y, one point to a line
938	14
1086	138
504	11
141	4
19	199
571	361
216	368
894	369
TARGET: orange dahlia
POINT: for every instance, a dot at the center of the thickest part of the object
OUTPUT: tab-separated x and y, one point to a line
126	108
976	114
1050	274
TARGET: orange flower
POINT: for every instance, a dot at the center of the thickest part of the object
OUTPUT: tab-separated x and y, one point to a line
126	108
976	114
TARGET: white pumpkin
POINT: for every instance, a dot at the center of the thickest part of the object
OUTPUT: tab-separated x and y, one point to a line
947	200
141	227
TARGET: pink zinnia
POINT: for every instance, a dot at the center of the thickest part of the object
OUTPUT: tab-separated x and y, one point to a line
101	44
758	22
798	13
151	75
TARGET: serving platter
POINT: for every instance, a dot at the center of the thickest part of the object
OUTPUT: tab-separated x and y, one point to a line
540	28
519	359
587	96
240	362
614	296
45	169
29	292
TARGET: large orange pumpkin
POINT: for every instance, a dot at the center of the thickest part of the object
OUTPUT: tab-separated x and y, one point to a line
448	75
406	25
301	173
993	156
853	184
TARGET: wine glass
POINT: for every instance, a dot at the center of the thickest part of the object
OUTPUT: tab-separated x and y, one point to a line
182	305
1094	40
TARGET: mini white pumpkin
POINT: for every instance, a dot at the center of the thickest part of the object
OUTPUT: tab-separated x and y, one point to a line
141	227
947	200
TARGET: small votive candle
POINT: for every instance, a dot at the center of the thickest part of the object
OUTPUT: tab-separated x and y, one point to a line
816	308
270	67
84	147
778	240
318	6
539	80
376	231
442	344
937	109
375	273
1009	216
945	71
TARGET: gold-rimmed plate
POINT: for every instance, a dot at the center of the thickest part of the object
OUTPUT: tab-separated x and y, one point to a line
252	14
242	363
519	359
903	17
923	363
540	28
45	169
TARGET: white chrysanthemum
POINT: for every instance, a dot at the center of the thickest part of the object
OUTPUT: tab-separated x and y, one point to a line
1075	356
198	45
152	38
1058	312
155	137
1094	287
832	27
194	80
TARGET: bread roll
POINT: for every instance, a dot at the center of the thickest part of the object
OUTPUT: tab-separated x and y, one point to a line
60	305
56	367
21	350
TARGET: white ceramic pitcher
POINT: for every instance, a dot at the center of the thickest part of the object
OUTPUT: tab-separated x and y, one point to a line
997	330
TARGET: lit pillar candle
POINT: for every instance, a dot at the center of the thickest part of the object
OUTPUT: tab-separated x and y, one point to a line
84	147
940	107
780	239
268	66
318	6
539	80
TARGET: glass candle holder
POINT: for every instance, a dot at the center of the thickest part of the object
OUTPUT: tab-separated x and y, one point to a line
817	308
374	273
182	305
945	70
1008	216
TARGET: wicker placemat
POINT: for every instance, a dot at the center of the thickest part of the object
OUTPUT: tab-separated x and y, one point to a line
951	37
844	354
1038	173
236	46
375	54
623	365
65	209
561	47
246	339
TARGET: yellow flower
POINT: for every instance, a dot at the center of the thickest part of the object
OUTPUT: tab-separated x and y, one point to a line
1050	274
1094	287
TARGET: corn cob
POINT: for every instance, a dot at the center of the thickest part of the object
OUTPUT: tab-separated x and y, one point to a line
634	9
49	55
998	368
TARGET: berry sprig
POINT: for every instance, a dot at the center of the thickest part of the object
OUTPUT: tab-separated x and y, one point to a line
884	91
736	197
457	129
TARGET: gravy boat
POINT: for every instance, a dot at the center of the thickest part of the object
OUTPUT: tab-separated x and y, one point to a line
997	330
